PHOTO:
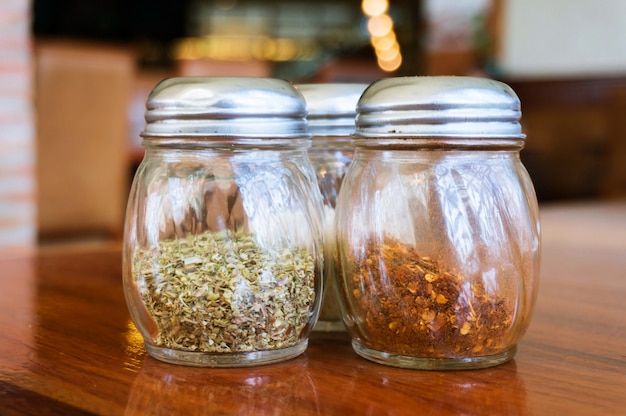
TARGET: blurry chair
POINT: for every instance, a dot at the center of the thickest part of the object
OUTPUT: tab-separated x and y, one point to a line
82	95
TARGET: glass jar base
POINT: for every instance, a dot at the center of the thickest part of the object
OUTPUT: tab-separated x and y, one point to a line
239	359
329	326
424	363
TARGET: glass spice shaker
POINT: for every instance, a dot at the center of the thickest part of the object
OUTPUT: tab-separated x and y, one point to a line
331	111
223	250
437	225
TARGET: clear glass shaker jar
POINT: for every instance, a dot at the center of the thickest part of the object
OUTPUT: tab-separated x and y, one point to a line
437	225
223	250
331	109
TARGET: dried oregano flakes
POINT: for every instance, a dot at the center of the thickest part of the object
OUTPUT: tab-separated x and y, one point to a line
225	293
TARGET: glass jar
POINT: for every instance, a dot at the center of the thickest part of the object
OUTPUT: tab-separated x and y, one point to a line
331	111
437	225
223	255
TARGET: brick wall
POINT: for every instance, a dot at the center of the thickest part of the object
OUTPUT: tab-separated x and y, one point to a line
17	148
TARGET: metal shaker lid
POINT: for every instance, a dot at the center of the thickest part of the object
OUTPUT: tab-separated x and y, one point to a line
439	106
225	106
331	107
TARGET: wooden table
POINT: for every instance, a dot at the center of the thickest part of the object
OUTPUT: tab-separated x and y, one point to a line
67	345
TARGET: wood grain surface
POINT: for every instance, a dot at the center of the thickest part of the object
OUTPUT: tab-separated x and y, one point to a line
68	347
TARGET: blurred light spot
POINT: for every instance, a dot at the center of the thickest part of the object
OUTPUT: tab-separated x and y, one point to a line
382	35
384	42
380	25
389	54
392	65
374	7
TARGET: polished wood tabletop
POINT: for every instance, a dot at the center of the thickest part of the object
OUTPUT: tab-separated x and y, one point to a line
68	347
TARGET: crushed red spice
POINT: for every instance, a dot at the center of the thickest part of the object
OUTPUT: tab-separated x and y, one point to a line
413	307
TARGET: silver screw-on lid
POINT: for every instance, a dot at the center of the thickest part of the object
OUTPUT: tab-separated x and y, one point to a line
331	107
439	106
225	106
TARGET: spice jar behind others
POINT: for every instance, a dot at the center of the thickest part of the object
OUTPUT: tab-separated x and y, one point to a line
331	109
223	245
438	225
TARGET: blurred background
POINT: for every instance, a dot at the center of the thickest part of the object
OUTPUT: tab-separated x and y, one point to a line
75	74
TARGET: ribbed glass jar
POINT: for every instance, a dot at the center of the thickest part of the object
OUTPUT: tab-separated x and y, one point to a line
331	111
438	225
223	251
